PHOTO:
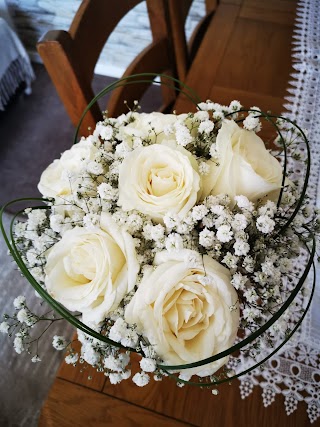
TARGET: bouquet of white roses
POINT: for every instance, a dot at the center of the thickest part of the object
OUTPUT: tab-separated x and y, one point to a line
179	237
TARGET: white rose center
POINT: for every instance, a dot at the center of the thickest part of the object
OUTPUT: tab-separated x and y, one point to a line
75	267
162	180
158	179
186	311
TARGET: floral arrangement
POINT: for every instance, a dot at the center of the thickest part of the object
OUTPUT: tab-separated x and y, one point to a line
179	237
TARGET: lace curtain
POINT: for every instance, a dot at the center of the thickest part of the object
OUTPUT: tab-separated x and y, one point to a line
295	371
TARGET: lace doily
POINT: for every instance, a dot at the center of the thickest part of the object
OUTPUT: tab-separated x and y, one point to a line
295	371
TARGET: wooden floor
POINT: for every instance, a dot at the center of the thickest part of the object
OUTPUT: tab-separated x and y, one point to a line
246	56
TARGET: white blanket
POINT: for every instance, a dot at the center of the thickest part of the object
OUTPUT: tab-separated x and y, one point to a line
15	66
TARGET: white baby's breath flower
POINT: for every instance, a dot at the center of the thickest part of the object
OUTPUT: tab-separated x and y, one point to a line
107	192
71	359
298	220
20	229
36	359
208	221
157	232
157	377
122	150
56	222
241	248
91	221
126	374
288	198
255	110
36	217
205	106
198	212
89	354
148	365
244	203
307	211
33	258
4	327
218	210
19	302
252	123
248	264
250	295
230	260
18	344
206	238
134	223
206	127
115	378
213	152
268	208
113	363
170	220
117	331
59	342
260	277
250	313
265	224
105	132
141	379
201	116
183	135
24	316
224	233
130	339
235	105
239	222
95	168
238	281
218	115
174	242
268	267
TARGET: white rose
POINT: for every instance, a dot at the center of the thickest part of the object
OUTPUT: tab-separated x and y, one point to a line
149	126
91	271
245	167
184	311
56	180
159	179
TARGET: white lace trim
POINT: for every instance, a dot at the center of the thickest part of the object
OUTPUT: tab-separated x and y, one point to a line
295	371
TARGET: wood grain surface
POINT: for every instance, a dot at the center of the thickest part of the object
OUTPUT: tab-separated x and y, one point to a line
245	55
189	405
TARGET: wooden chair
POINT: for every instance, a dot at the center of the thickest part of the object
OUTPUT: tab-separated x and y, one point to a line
70	57
185	51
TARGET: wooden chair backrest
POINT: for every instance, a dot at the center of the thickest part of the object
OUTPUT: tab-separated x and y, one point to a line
70	57
185	52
